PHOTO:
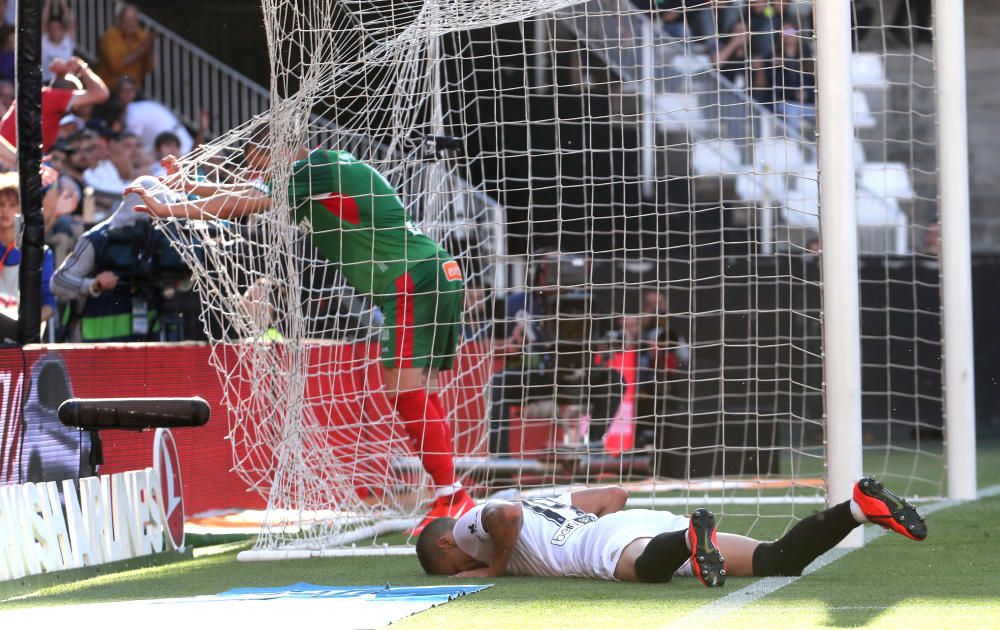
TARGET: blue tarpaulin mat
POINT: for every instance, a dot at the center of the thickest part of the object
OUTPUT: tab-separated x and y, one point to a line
342	606
436	594
263	607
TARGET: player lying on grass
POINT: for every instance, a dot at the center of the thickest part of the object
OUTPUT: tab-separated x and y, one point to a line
357	220
589	534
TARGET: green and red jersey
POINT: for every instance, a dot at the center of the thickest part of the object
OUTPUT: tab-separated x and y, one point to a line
358	220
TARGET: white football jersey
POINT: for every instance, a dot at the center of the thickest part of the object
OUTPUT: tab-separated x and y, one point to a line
558	539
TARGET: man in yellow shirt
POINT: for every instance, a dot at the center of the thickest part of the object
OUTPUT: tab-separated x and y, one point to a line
126	49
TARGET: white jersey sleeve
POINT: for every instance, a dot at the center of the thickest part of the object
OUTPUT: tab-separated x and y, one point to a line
471	536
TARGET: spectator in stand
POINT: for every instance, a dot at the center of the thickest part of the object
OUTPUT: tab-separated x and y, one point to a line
813	244
69	126
112	176
57	41
8	39
144	162
746	44
630	329
166	143
794	85
524	348
672	23
656	325
126	49
148	119
71	159
6	94
654	313
59	156
81	152
66	92
656	370
8	13
932	240
763	20
730	55
10	258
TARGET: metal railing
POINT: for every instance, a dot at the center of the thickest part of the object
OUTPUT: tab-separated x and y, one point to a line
186	79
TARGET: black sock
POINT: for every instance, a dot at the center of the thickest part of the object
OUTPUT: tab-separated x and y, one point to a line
810	538
663	555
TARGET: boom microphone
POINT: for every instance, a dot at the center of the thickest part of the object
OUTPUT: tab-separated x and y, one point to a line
134	414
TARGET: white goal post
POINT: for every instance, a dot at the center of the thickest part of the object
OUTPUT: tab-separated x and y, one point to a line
699	242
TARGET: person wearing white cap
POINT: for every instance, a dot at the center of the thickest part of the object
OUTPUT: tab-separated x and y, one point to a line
70	124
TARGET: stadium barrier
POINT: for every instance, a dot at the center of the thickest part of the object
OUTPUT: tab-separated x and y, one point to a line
35	446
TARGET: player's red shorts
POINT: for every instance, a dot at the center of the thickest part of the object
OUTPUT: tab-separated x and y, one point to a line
423	318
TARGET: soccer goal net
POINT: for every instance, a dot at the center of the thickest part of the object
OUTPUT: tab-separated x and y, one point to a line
631	190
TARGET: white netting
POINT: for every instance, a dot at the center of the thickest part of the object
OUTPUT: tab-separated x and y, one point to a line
632	193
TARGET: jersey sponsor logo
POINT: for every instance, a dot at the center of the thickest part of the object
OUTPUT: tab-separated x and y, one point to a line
560	537
569	518
452	271
341	206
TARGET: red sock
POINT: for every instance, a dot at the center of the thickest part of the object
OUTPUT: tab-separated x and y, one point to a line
434	400
430	435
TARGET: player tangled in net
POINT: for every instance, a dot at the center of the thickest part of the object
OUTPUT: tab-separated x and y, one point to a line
589	534
357	220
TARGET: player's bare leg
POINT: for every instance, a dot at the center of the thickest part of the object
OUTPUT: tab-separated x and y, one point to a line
818	533
413	393
655	559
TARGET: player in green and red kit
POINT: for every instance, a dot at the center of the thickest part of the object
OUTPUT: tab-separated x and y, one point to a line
356	219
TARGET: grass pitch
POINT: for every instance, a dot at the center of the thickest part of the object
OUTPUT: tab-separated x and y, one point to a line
950	580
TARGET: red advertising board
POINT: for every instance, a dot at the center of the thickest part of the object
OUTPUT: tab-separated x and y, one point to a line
34	446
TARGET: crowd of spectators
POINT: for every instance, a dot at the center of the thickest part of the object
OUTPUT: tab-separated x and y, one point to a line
99	134
764	46
546	359
760	46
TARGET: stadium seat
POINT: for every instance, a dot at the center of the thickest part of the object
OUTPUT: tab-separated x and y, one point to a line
863	118
678	112
868	71
761	186
777	155
716	157
886	179
882	225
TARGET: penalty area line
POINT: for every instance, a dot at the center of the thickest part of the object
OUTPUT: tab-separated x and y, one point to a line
763	587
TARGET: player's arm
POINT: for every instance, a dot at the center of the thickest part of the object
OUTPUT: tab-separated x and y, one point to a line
224	205
600	501
502	520
177	180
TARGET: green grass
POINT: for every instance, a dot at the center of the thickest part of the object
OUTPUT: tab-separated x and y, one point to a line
951	580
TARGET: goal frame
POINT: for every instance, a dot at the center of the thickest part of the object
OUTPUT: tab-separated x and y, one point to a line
840	287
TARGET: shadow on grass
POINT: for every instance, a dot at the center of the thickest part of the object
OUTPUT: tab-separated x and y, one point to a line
954	572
